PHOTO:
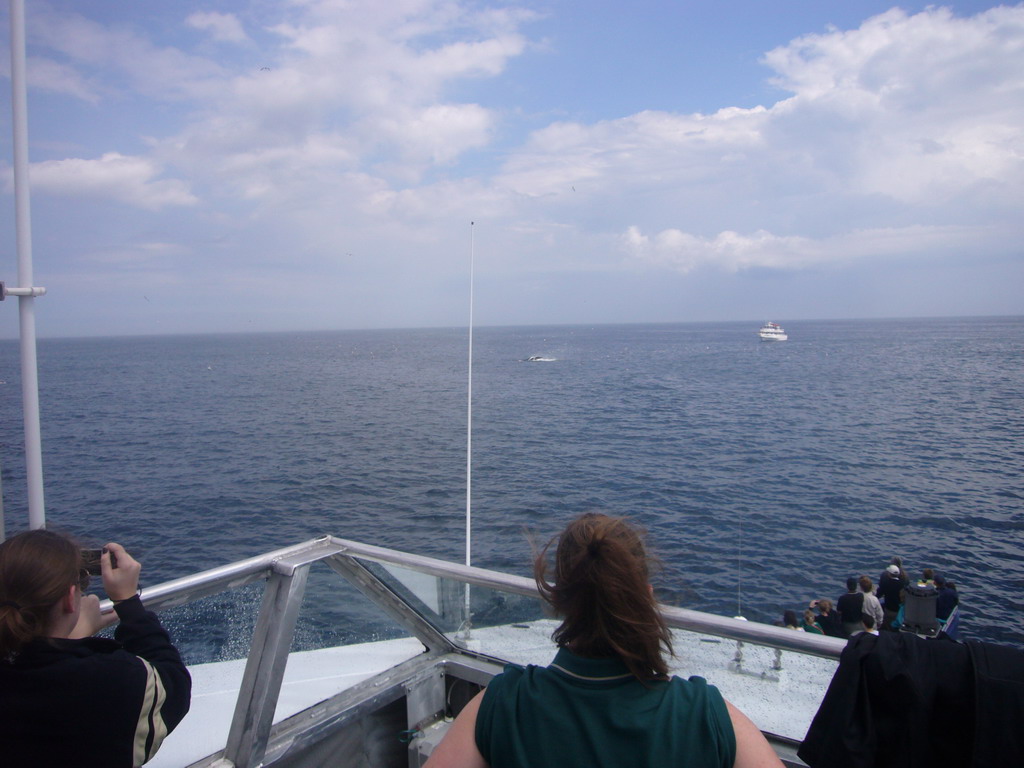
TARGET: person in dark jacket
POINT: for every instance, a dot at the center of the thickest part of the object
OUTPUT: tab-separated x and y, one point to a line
890	593
828	618
851	607
67	698
948	598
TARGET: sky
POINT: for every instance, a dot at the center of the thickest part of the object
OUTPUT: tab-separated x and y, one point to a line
241	165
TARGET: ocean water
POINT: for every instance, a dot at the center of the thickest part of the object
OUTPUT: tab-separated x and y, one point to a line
765	474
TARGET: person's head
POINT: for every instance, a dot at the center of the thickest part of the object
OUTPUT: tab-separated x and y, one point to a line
41	574
602	593
851	584
928	574
897	561
893	571
808	616
868	621
940	582
865	584
789	618
825	606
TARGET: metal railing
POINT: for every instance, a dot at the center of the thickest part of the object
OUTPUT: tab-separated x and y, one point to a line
286	571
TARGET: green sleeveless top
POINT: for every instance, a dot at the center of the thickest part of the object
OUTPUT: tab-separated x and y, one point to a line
594	713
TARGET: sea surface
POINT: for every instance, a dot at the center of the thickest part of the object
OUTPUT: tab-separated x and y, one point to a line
764	473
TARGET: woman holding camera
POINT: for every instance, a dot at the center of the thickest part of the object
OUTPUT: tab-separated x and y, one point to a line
67	698
608	698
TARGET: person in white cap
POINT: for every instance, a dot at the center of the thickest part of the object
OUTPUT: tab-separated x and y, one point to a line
890	592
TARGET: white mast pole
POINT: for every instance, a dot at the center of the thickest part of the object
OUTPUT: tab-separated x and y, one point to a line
469	432
26	294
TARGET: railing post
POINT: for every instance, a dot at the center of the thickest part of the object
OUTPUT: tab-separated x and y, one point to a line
25	291
264	670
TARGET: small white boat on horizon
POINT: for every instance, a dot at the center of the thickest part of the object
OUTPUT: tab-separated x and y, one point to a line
772	332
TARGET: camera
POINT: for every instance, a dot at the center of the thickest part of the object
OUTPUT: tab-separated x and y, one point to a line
91	560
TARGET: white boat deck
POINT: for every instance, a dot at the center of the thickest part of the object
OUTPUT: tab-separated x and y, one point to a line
780	701
311	676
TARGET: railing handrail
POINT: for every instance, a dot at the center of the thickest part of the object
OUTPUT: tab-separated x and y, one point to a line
677	618
170	594
233	575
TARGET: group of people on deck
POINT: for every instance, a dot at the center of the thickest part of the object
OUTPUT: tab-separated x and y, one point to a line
867	608
608	699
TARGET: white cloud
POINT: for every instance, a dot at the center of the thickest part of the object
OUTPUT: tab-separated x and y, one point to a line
905	124
122	57
484	58
130	180
440	132
55	77
376	54
223	27
927	104
649	148
144	255
370	75
731	251
734	252
356	127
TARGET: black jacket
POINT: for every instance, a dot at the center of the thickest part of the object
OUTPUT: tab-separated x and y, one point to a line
93	702
889	588
831	624
902	701
850	607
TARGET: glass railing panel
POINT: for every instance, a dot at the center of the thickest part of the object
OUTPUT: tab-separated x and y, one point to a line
779	690
341	638
335	612
211	629
216	628
440	602
510	627
526	641
504	624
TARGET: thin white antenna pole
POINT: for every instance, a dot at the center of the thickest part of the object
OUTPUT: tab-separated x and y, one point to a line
469	431
739	569
26	294
469	410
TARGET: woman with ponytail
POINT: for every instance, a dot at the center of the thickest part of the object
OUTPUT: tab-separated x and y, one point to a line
67	698
607	699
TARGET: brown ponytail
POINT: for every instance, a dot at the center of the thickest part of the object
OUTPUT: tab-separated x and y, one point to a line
36	569
602	593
